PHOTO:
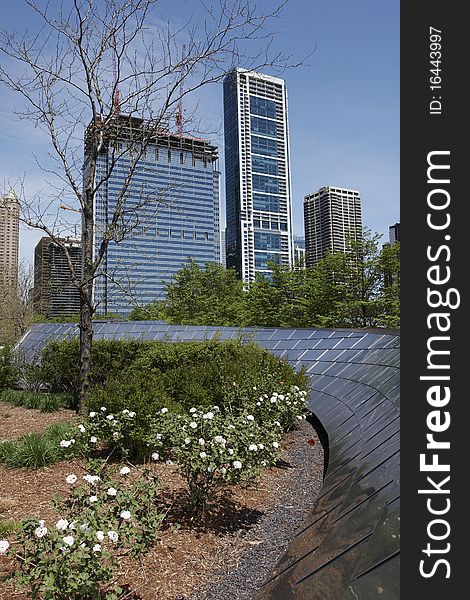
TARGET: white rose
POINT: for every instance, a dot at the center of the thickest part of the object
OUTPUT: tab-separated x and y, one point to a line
253	447
97	548
250	418
202	454
209	415
192	410
164	410
40	532
68	540
193	425
93	499
110	417
125	471
62	524
125	514
201	441
4	545
93	439
113	536
111	491
71	479
237	464
155	456
81	428
100	535
275	445
92	414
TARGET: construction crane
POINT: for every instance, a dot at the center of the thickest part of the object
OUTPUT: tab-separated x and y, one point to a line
179	112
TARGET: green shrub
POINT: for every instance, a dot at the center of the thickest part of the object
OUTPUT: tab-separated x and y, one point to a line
8	368
60	362
35	450
146	376
207	364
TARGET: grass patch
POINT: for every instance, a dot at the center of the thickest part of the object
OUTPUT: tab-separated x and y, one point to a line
8	526
45	402
35	450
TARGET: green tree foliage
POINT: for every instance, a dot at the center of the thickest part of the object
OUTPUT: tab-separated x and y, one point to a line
359	288
155	311
209	296
390	267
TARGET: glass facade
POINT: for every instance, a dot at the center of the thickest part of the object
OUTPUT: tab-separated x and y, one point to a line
258	193
170	214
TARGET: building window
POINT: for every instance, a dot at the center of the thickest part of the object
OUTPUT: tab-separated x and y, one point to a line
263	126
261	164
262	107
267	241
266	203
263	258
265	146
262	183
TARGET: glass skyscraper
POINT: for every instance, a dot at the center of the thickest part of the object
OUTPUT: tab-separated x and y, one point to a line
257	173
169	213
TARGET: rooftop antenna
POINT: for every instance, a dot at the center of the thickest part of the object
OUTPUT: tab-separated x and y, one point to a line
179	112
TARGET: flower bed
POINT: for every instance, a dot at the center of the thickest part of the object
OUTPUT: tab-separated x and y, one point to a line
185	558
116	506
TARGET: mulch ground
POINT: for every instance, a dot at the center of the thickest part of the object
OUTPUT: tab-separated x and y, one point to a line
185	559
16	420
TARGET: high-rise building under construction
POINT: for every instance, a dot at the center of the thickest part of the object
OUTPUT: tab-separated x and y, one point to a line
164	190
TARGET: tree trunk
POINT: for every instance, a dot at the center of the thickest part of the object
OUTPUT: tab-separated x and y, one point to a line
86	340
86	296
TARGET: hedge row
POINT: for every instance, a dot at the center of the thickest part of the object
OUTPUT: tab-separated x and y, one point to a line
144	376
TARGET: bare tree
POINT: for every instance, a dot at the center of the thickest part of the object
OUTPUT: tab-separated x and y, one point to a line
97	66
16	306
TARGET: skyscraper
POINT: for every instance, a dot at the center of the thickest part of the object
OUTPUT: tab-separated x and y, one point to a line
332	218
9	241
223	253
257	180
54	293
394	233
170	212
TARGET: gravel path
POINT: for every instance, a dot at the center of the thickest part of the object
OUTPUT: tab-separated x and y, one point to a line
268	539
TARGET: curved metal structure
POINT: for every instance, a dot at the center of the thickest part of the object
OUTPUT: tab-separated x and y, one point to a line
348	548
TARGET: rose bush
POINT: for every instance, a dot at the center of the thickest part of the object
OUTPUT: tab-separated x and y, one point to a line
75	557
213	448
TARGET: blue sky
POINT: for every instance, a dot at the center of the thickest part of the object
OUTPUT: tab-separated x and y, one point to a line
343	108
